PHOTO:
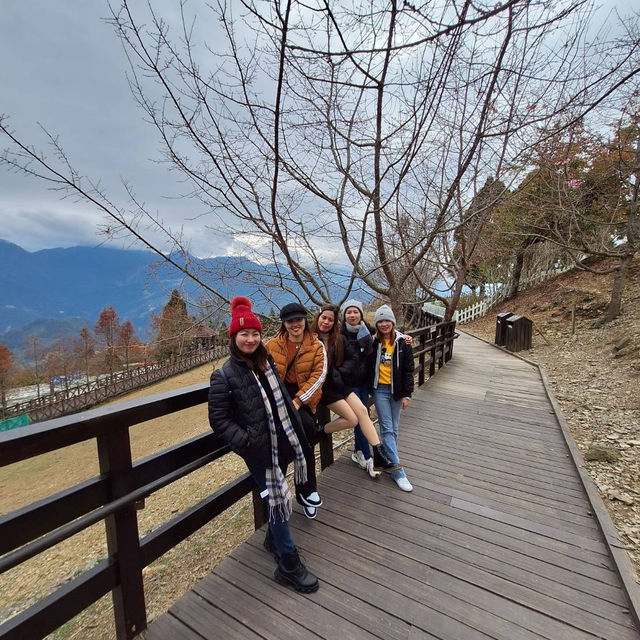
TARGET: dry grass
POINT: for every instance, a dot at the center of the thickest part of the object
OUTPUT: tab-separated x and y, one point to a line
170	576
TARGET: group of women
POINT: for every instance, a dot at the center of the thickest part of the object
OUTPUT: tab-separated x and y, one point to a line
263	401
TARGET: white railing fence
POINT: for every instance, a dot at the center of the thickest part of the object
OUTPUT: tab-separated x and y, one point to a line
482	307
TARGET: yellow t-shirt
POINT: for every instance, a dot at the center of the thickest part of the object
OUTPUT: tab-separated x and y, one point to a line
386	357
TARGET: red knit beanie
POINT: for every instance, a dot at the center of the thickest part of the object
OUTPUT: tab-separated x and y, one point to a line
242	317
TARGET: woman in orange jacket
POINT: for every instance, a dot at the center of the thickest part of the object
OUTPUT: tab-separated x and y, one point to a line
301	361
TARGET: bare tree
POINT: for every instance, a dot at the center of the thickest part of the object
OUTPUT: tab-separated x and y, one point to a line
342	144
340	134
60	363
107	329
33	345
84	347
127	339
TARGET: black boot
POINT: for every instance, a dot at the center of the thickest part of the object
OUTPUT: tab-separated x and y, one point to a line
293	573
269	546
381	459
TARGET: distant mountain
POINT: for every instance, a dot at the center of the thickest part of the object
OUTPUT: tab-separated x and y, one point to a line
47	331
69	287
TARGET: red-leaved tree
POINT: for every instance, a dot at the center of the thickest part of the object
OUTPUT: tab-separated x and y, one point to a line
6	366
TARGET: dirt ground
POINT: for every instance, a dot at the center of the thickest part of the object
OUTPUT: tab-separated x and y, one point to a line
594	370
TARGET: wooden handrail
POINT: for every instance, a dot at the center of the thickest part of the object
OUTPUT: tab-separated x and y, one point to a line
111	497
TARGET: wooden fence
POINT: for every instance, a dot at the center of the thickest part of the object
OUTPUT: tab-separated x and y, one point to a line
112	495
82	396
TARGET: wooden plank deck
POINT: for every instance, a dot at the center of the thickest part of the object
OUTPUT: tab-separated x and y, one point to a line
497	540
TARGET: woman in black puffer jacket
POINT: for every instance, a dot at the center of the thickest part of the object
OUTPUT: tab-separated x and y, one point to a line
250	410
358	338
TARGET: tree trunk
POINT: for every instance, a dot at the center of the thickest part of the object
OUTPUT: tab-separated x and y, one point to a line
452	302
514	282
615	302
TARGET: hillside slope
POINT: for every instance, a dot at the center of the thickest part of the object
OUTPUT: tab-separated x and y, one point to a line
595	373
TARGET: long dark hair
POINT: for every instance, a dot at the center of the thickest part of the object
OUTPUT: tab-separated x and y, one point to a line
257	361
332	340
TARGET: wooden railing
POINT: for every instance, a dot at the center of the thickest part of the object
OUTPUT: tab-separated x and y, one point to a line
112	496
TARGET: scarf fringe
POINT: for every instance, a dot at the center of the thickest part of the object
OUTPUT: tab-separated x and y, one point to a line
280	499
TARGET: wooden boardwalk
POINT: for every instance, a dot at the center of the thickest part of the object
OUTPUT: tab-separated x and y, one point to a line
497	540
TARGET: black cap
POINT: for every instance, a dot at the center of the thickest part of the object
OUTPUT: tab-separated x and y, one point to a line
292	311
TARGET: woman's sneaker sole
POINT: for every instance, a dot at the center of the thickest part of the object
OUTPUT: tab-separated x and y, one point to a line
310	512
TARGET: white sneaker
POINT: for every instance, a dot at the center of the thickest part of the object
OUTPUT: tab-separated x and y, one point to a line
359	459
371	471
312	500
404	484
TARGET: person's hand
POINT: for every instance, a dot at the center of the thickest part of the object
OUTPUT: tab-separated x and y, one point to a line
408	340
296	404
405	402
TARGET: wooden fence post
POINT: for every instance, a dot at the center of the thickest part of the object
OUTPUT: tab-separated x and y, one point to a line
123	543
258	510
423	342
450	331
432	353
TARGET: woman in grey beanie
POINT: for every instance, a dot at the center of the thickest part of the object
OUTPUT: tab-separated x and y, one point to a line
358	340
392	384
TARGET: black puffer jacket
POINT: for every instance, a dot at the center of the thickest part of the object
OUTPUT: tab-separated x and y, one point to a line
237	413
357	353
339	377
402	368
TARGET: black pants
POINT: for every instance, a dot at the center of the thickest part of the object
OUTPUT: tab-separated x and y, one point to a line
309	427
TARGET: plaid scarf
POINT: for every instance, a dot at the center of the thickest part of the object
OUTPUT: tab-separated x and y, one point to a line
280	500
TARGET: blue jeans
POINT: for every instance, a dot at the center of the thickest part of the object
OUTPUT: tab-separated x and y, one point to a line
279	528
388	411
360	442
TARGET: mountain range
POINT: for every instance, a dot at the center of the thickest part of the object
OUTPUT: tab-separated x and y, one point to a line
55	292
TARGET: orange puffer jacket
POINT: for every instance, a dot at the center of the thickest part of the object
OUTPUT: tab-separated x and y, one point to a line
310	366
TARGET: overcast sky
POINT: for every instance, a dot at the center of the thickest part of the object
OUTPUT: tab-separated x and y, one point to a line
62	66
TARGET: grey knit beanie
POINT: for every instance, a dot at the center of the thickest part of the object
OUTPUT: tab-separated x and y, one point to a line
384	313
353	303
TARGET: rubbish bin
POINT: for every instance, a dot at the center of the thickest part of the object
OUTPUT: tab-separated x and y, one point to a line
519	330
501	327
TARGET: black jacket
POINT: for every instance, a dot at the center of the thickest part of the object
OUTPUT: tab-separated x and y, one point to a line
340	377
237	413
358	354
402	367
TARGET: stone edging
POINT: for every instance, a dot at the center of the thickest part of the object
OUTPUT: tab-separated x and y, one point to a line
614	545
